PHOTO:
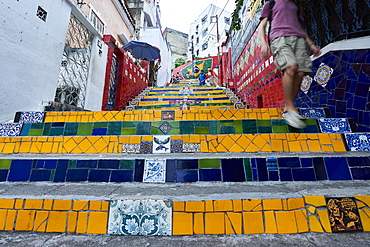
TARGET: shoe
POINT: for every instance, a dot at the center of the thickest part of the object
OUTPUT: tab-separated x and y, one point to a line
292	118
300	116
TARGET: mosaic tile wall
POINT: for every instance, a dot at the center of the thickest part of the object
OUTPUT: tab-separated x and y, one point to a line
186	170
340	82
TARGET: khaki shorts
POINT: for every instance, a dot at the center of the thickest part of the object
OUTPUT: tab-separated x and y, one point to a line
291	50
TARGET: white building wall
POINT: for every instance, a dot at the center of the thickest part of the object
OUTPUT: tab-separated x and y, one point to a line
204	32
31	52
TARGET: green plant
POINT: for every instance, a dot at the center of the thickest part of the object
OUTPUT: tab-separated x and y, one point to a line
235	19
179	61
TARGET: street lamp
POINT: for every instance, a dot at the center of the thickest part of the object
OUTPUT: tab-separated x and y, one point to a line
214	19
191	44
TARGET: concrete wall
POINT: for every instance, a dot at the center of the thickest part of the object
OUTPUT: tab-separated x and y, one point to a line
178	41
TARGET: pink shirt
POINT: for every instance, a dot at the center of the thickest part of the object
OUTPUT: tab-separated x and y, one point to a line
285	20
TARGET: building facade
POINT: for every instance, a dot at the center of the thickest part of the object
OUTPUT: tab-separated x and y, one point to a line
178	42
207	31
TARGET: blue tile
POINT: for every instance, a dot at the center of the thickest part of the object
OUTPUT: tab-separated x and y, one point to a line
320	170
358	141
289	162
40	175
3	175
25	129
20	170
210	174
306	162
122	176
273	176
362	89
99	131
359	102
186	176
108	164
87	164
285	174
253	163
233	170
58	124
304	174
77	175
262	169
358	161
99	175
170	170
254	175
187	164
61	171
139	170
361	173
334	125
337	168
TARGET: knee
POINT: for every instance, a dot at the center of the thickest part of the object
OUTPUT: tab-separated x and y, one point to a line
291	70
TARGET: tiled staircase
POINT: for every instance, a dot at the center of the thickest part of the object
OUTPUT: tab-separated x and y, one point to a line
183	133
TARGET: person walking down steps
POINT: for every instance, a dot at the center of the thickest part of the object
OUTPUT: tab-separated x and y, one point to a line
202	78
288	42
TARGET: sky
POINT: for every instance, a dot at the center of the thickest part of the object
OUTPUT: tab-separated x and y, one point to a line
178	14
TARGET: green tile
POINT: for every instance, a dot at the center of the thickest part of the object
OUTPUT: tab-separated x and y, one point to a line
155	131
310	121
37	126
56	131
114	128
84	129
174	124
129	124
127	164
72	163
263	122
248	169
52	175
264	129
100	125
5	164
280	129
227	130
238	127
201	123
143	128
249	126
227	122
213	128
128	131
47	128
187	127
71	129
279	122
35	132
209	163
201	130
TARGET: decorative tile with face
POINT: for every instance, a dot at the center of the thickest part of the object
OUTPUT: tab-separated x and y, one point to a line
154	171
140	217
161	144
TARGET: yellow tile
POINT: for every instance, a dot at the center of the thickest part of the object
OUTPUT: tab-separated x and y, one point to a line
272	204
223	205
338	146
314	224
2	219
362	198
324	219
178	206
8	148
324	138
97	223
105	206
95	205
214	223
236	148
286	222
7	203
314	145
194	139
237	205
316	201
57	221
277	145
252	205
198	223
304	146
209	206
33	204
72	222
311	209
18	204
82	222
10	219
294	146
40	221
25	219
270	222
194	206
48	204
285	204
135	139
301	218
365	219
253	223
295	203
204	147
182	224
62	205
234	223
25	147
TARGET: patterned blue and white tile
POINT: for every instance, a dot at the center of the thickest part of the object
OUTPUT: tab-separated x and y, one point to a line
334	125
312	112
358	141
32	117
10	129
191	148
130	148
176	146
140	217
161	144
165	127
154	171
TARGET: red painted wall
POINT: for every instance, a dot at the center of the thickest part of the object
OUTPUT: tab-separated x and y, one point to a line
254	78
131	80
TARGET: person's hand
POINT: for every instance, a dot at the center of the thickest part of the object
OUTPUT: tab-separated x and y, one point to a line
316	51
264	51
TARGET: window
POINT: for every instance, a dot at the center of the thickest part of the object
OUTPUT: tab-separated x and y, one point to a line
197	40
204	32
205	46
227	20
98	23
204	19
196	29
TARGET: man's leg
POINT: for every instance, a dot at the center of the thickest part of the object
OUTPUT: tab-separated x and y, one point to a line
290	87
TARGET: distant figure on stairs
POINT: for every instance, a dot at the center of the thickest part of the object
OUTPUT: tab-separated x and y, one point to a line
202	78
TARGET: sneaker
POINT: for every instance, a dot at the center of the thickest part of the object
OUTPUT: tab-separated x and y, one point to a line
300	116
293	119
